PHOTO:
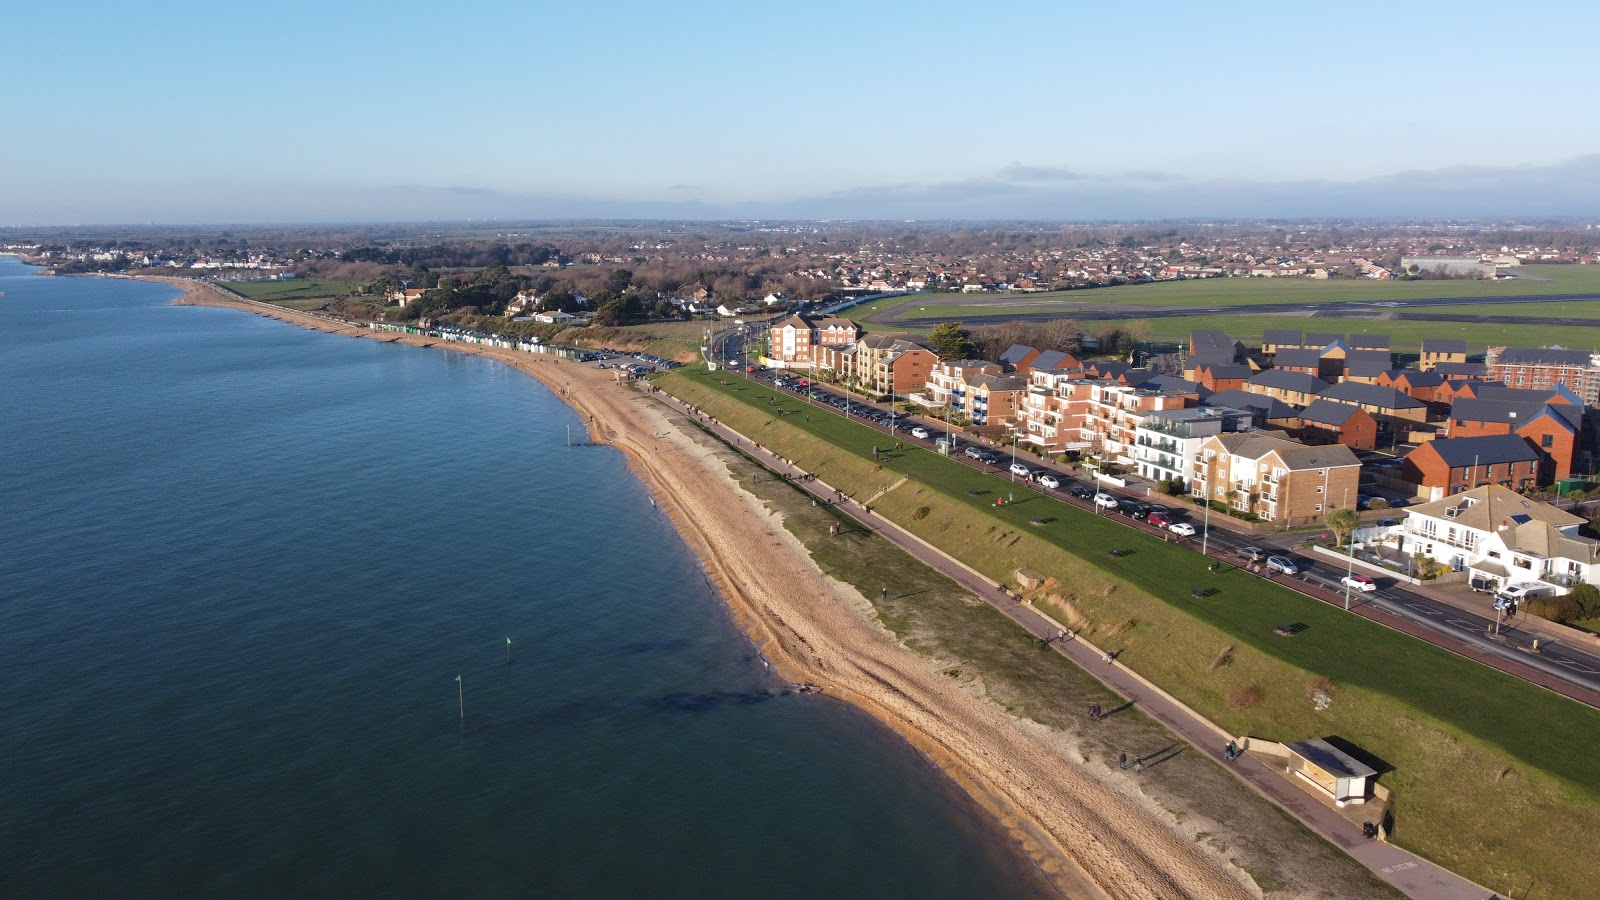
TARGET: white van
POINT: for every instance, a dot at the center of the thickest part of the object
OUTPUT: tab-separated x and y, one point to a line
1527	590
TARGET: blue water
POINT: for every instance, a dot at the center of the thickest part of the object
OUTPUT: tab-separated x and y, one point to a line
241	566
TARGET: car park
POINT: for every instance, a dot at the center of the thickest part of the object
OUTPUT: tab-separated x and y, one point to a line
919	432
1254	554
1283	565
1049	482
1105	500
1362	583
1021	471
1182	529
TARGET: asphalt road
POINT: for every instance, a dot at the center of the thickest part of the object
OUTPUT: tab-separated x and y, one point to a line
1319	578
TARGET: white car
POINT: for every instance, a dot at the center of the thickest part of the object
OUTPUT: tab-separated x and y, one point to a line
1049	482
1021	471
1105	500
919	432
1182	529
1283	565
1361	583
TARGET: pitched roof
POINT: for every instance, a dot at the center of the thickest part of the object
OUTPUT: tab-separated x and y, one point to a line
1266	407
1547	541
1173	383
797	320
1105	368
1298	357
1319	339
1474	409
1016	353
1467	369
999	382
1372	395
1051	360
1416	379
1328	412
1212	346
1369	342
1322	456
1226	370
1285	380
1443	345
1485	450
1542	356
1289	336
1484	508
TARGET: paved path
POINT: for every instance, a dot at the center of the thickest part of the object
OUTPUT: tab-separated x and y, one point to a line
1411	874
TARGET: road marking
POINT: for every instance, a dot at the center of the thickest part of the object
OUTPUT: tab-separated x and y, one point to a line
1389	870
1470	626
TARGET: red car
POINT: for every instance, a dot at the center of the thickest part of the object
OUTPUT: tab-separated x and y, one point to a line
1160	519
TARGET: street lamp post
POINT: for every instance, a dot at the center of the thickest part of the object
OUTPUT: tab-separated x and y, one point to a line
1350	570
1205	529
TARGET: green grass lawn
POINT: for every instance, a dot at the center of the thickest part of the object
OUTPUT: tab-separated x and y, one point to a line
1405	335
1568	309
1562	279
293	289
1483	762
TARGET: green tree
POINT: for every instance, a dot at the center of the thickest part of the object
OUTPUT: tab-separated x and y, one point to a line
949	340
610	312
1343	522
619	281
1587	596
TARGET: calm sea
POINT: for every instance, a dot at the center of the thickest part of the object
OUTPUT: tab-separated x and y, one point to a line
241	566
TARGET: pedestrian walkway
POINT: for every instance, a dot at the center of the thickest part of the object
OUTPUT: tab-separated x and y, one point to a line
1411	874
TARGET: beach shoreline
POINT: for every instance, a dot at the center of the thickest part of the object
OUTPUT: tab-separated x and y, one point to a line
1088	839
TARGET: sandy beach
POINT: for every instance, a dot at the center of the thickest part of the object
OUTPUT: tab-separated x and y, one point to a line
1090	837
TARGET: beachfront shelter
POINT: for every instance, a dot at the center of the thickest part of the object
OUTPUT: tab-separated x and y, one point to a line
1330	770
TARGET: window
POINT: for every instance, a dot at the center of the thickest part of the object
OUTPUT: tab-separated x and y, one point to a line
1547	441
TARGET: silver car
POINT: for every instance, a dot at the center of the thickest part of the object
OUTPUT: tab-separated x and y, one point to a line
1282	564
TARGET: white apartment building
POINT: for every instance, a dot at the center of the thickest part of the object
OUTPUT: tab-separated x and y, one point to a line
1167	442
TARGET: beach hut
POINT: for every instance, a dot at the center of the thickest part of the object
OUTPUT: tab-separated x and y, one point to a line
1333	772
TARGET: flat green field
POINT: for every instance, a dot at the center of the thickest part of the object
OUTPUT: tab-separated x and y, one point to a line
1405	335
293	289
1253	291
1492	777
1567	309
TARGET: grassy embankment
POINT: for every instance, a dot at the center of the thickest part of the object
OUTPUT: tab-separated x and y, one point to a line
298	293
669	340
974	644
1483	764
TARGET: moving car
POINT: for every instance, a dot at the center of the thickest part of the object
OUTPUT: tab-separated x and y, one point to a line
1182	529
1361	583
1021	471
1081	492
1105	500
918	431
1254	554
1282	564
973	453
1049	482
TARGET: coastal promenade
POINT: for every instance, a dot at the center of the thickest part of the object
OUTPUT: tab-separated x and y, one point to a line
1407	872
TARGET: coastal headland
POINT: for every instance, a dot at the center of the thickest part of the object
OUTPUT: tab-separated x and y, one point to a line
1090	838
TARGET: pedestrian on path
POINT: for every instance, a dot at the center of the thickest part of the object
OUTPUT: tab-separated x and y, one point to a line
1122	761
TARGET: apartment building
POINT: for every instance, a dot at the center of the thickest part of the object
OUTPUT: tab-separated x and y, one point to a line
1550	420
880	364
1453	465
1282	481
1441	350
973	388
1167	442
1544	368
1108	414
796	341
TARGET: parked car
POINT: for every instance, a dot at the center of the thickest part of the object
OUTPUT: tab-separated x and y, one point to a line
1282	564
1362	583
1128	505
973	453
1049	482
1182	529
988	457
1081	492
1161	519
1254	554
917	431
1105	500
1021	471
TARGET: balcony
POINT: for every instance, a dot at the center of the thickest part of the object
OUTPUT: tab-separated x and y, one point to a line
1174	429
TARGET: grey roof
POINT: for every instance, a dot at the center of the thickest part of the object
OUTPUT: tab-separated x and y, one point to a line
1264	406
999	382
1227	370
1328	412
1298	357
1369	342
1417	378
1320	339
1499	390
1053	359
1457	370
1474	409
1213	346
1288	336
1367	368
1443	345
1542	356
1319	457
1330	759
1173	383
1485	450
1015	353
1372	395
1107	368
1283	379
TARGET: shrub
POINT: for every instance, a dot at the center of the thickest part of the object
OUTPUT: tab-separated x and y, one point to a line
1587	596
1378	503
921	513
1556	609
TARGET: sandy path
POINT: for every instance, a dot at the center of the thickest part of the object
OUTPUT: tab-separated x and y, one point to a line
1088	837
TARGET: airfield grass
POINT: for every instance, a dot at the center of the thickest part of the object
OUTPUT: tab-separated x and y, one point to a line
974	644
1566	309
294	289
1404	334
1482	764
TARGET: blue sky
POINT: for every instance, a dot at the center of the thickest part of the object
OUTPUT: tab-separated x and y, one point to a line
189	112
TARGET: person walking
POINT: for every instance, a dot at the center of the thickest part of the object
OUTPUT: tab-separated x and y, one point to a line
1122	761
